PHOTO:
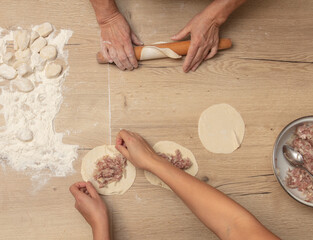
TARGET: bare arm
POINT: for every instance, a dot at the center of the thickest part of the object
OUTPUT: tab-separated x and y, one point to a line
204	32
226	218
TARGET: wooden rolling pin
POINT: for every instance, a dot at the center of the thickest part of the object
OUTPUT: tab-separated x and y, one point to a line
180	48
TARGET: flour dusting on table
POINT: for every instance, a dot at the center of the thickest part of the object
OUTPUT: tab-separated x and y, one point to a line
30	100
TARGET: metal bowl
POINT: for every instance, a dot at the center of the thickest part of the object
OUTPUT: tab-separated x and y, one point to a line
281	165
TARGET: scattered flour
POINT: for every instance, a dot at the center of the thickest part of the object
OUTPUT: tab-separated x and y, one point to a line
28	141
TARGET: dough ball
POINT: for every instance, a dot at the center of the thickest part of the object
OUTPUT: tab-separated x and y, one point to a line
53	70
24	85
44	29
33	36
38	44
169	147
25	54
221	129
8	57
25	135
24	69
18	63
7	72
21	39
49	52
89	165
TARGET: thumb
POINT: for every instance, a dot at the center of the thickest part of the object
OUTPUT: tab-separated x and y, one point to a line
91	189
181	34
123	150
136	40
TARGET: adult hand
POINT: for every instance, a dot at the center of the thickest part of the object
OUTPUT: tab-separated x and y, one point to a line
90	205
116	42
135	149
204	32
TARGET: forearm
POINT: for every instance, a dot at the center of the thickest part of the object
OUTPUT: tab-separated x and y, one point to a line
223	216
219	10
104	9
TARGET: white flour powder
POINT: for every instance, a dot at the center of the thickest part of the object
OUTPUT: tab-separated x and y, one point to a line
28	141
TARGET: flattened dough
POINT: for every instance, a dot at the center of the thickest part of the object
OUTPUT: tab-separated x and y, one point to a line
89	165
152	52
221	128
169	147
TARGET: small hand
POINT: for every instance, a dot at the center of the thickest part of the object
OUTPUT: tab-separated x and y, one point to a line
204	40
135	149
90	205
116	42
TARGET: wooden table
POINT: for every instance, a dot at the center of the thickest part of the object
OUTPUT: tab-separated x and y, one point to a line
266	76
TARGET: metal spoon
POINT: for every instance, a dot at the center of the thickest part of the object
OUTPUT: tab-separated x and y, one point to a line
294	158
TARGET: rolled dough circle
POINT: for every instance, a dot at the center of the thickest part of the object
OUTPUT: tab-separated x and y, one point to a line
89	165
221	128
169	147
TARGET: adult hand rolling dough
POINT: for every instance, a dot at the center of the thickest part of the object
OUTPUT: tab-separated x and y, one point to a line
116	35
204	32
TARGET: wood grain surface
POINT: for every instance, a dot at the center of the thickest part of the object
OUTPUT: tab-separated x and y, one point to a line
266	76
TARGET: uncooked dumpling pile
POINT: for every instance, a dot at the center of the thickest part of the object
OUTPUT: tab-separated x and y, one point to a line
33	66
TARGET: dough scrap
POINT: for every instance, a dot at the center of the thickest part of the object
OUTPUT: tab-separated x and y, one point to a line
24	85
169	147
44	29
25	135
53	70
89	165
38	44
152	52
7	72
48	52
21	39
221	128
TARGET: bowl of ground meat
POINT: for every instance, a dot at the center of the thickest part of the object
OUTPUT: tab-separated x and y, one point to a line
296	181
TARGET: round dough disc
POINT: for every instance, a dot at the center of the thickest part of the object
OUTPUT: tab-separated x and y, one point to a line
89	165
169	147
221	128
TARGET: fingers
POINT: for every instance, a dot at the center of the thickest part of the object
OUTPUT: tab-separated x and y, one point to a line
191	54
181	34
135	39
75	190
122	139
92	191
122	57
105	53
123	150
129	50
115	59
212	52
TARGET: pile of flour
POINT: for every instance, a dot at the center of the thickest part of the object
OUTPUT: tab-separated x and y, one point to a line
30	101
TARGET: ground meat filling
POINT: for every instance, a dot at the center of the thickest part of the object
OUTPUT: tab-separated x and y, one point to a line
297	177
177	160
109	169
